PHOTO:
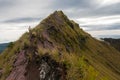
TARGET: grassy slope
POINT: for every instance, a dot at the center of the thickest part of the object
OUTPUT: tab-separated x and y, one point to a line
104	58
85	57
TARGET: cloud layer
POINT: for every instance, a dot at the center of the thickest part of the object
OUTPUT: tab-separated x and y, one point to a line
95	16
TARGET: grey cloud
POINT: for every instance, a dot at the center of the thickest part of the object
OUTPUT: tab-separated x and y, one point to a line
19	11
108	36
73	4
114	27
99	12
108	10
22	20
102	27
73	8
4	3
93	10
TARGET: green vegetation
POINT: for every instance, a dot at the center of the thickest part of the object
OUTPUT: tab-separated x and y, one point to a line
11	44
7	58
77	67
84	57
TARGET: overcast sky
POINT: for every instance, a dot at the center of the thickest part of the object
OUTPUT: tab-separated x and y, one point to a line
97	17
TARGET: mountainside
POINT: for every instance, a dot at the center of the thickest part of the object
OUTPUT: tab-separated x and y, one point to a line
58	49
3	46
113	42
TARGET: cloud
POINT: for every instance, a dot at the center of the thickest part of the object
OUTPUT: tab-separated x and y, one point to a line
96	11
99	15
17	26
102	27
105	20
107	2
100	23
6	3
108	36
22	20
10	35
42	8
105	33
76	4
24	8
109	10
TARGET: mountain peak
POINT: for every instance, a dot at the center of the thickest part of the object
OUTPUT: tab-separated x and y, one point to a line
57	49
58	12
57	17
59	20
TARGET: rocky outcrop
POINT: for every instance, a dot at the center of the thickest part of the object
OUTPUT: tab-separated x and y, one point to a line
45	68
51	70
38	68
1	72
19	67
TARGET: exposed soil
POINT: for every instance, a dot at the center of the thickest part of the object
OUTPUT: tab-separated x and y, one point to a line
38	68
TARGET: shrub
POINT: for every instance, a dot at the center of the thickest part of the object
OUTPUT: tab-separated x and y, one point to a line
10	44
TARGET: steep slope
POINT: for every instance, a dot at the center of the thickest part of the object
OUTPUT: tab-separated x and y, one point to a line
57	49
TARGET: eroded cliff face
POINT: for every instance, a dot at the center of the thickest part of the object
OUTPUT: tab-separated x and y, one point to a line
19	67
54	36
30	65
37	68
46	69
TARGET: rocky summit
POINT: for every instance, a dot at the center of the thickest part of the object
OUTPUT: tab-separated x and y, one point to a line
58	49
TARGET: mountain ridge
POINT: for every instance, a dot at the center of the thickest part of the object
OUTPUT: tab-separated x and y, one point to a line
65	51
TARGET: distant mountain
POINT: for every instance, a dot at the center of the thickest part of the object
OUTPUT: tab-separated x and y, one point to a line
3	46
109	36
58	49
113	42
